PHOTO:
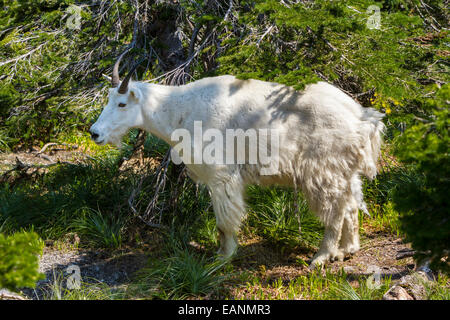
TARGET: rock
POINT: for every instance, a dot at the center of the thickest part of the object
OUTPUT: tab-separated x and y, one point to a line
349	269
414	284
409	287
397	293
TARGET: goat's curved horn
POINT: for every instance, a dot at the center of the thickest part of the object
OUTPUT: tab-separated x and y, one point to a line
124	85
115	80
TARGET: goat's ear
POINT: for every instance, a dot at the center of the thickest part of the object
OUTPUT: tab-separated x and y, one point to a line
107	77
135	94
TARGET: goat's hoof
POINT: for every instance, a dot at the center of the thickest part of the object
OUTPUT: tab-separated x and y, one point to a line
339	256
221	255
351	249
224	255
319	260
322	258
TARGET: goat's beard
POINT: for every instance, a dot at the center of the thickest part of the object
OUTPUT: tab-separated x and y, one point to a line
116	140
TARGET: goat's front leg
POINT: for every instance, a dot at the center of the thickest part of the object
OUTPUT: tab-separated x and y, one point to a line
228	243
228	204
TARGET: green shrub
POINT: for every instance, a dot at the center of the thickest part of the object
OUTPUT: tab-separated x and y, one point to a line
423	202
19	260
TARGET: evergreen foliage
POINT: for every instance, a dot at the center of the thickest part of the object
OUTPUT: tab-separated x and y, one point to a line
423	202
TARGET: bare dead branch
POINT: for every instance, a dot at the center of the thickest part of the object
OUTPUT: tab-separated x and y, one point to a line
23	56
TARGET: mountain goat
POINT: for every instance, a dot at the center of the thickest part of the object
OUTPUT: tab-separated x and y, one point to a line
326	140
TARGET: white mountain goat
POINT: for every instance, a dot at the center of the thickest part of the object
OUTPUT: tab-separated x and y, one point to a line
326	141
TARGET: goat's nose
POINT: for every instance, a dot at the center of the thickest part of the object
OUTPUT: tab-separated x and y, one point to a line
94	135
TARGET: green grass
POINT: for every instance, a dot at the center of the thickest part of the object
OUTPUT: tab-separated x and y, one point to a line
89	197
316	285
182	274
86	291
439	290
87	145
54	201
4	141
271	216
379	197
101	230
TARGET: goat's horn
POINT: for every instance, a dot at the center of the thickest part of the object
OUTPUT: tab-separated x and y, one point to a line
124	85
115	74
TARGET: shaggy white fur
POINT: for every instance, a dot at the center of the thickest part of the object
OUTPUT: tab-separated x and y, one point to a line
326	141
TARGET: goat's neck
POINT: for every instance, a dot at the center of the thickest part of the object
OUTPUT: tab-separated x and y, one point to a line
163	109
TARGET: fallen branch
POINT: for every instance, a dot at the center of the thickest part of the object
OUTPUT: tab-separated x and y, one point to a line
406	253
22	168
8	295
51	144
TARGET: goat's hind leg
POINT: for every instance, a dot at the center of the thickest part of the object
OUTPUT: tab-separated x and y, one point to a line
350	230
229	209
333	219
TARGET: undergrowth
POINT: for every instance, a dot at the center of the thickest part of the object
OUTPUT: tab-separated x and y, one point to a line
90	200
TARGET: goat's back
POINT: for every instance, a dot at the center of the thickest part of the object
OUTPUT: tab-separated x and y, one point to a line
321	124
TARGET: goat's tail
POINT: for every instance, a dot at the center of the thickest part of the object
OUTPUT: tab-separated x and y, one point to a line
374	129
371	131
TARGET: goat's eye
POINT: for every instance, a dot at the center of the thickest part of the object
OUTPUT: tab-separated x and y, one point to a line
122	105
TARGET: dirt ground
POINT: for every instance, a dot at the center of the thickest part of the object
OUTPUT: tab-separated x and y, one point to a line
118	268
51	154
96	267
377	251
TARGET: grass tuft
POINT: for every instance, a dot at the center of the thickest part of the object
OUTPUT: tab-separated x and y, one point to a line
101	230
180	276
271	215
